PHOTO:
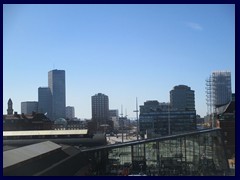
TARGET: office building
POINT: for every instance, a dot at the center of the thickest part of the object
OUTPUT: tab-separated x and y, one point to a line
182	98
45	101
114	116
113	113
29	106
56	83
70	112
157	119
153	106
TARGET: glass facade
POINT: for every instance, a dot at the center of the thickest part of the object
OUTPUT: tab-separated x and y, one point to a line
56	83
192	154
157	124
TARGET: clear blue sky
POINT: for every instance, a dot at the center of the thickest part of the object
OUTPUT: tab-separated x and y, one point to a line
123	51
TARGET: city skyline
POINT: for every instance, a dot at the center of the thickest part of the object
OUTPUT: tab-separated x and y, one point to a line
122	51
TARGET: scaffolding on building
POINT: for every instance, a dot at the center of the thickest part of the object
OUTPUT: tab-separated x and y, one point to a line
209	99
218	92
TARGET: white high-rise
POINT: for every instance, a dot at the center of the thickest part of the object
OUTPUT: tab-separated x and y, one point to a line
222	91
219	90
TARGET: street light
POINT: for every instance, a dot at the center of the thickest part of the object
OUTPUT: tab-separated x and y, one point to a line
169	132
137	117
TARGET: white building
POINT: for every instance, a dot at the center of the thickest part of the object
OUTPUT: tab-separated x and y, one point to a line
221	88
70	112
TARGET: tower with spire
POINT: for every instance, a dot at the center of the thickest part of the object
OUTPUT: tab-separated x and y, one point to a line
10	109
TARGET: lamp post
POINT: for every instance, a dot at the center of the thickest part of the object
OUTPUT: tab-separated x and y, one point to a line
169	131
137	117
122	128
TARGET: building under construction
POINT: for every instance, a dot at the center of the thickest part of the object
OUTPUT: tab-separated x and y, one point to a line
218	91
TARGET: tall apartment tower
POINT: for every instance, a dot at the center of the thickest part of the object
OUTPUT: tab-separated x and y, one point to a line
45	101
56	83
10	107
100	108
29	107
182	98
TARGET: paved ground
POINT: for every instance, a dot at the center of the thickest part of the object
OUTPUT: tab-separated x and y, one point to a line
118	138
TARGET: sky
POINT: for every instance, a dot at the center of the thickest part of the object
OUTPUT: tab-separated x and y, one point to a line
122	51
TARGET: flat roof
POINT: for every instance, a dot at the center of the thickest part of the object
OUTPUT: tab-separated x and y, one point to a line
19	155
45	132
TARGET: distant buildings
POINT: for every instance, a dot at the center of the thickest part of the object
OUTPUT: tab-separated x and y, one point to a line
221	88
70	112
114	116
113	113
100	114
218	93
160	119
10	107
45	101
29	106
56	83
218	90
100	108
182	98
51	99
33	121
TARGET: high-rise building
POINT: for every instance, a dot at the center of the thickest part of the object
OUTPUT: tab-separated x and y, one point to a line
182	98
45	101
221	88
70	112
56	83
10	107
100	108
29	106
218	90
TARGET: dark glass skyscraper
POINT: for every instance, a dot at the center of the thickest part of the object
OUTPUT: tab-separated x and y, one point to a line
45	101
56	83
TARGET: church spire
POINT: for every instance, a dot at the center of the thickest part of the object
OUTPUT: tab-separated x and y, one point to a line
10	109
